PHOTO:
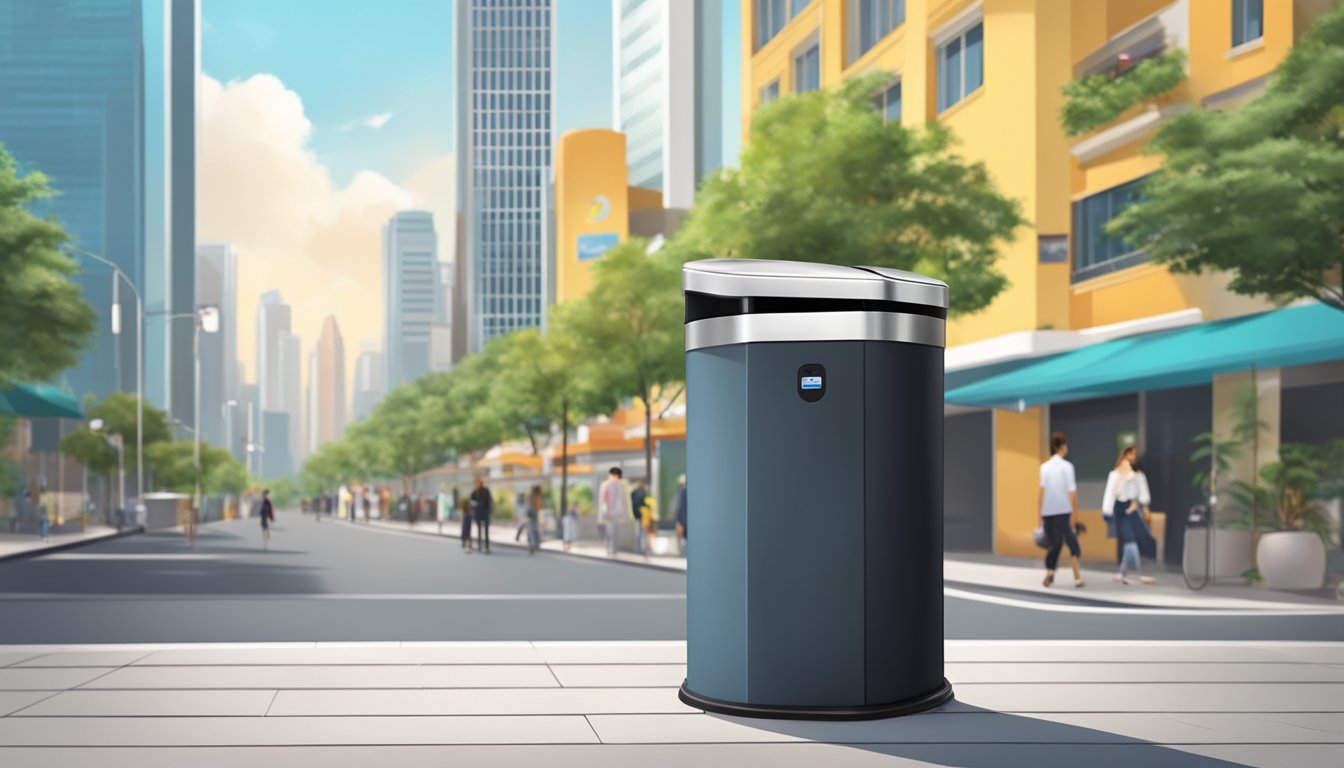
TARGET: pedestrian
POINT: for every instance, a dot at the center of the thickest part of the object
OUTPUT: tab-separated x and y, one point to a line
681	515
520	515
375	504
569	525
466	524
638	498
534	520
43	516
612	509
267	516
1057	502
481	508
404	506
445	505
1125	505
367	502
303	505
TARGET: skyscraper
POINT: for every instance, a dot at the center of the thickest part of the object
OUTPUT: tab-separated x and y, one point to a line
273	324
291	392
673	124
410	249
503	68
183	108
71	96
326	379
368	380
441	333
217	285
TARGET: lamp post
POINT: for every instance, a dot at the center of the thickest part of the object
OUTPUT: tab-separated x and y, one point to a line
206	320
139	365
116	442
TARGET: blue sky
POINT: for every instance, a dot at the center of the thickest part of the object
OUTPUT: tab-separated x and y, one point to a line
352	60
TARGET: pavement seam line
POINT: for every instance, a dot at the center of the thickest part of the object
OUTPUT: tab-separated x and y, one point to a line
274	696
594	730
554	676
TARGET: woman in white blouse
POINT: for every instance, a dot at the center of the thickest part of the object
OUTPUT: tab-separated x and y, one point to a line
1125	505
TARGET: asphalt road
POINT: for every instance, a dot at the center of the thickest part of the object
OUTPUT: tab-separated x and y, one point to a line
334	581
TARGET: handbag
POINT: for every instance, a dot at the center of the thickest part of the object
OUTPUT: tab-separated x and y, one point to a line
1040	538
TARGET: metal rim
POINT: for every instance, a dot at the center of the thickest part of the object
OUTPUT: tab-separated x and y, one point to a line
910	706
816	326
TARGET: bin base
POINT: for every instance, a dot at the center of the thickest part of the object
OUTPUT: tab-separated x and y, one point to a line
910	706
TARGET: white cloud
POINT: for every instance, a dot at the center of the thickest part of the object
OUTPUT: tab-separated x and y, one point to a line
376	121
264	190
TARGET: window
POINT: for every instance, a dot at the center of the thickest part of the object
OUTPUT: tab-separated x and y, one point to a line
961	66
888	102
770	19
1096	253
807	70
796	7
769	93
875	19
1248	21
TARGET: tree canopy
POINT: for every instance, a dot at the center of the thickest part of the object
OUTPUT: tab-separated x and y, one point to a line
1257	191
824	178
44	320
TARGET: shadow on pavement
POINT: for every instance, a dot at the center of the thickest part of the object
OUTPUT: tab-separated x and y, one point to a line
958	734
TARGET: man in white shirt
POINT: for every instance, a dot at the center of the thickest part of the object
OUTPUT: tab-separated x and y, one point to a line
1058	505
613	507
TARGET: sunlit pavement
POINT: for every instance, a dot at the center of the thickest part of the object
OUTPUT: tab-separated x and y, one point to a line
614	704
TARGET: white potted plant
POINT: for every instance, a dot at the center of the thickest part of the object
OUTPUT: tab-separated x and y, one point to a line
1292	554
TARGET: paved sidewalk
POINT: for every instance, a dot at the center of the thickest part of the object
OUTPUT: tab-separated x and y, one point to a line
28	544
614	704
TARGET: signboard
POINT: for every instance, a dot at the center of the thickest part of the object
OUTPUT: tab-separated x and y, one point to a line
595	245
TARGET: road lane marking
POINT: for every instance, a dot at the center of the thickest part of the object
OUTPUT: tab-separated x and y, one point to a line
1119	610
130	557
466	597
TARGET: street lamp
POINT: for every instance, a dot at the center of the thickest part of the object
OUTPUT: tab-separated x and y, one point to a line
139	363
206	320
96	426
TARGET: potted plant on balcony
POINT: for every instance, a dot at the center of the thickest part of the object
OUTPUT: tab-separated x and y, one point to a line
1291	550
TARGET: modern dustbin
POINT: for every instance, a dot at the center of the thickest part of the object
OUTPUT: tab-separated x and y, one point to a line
815	480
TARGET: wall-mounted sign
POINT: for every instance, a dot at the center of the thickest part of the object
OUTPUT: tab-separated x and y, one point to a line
594	245
599	209
1053	249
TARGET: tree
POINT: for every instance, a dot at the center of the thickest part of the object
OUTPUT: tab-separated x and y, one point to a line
174	467
44	320
627	331
1258	191
824	178
402	440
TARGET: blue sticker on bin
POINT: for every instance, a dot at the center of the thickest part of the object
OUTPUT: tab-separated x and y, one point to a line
811	382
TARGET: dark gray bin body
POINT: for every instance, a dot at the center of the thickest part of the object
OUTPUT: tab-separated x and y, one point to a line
814	580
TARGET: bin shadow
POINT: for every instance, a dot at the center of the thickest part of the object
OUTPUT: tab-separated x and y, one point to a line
958	734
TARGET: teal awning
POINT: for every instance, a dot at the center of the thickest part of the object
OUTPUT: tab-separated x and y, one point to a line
38	401
1180	357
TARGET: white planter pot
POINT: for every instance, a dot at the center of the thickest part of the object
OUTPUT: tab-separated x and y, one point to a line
1231	552
1291	560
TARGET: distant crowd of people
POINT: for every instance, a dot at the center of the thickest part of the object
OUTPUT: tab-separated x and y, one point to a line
616	503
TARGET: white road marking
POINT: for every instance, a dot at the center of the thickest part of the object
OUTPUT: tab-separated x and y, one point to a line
466	597
1117	610
130	556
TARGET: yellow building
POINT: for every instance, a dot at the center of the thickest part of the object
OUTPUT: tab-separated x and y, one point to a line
992	71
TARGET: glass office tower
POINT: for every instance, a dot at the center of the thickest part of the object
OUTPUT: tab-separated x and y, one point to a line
504	70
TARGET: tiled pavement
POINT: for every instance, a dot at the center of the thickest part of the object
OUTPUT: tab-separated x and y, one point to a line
597	704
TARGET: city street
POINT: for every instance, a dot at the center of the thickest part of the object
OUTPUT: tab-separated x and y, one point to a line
337	581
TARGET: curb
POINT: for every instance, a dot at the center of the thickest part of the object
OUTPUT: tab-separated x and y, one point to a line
652	565
71	545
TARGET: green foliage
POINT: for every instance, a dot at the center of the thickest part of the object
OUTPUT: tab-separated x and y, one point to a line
1257	191
11	477
1093	101
628	333
1214	457
117	411
824	178
330	465
582	495
44	320
1291	488
284	492
173	464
